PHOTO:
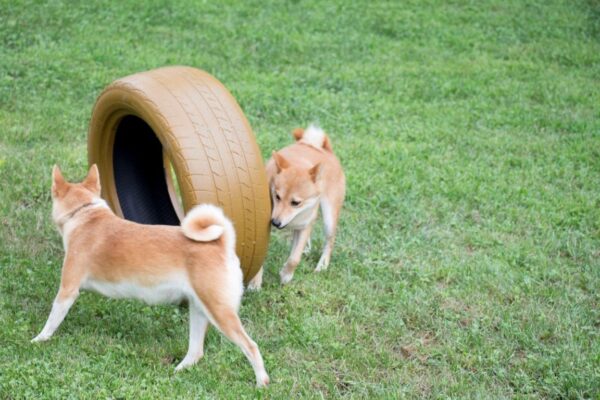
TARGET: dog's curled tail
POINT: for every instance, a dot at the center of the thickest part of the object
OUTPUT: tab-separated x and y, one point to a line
206	222
313	136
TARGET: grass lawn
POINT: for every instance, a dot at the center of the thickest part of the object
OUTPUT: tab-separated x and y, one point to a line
468	258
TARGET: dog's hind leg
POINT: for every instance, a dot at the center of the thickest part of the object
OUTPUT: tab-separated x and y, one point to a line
256	282
219	298
67	294
228	322
198	327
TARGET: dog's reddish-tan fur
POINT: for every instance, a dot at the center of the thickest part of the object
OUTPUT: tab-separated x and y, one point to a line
106	250
304	177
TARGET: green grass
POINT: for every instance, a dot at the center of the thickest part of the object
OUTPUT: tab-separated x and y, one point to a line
467	263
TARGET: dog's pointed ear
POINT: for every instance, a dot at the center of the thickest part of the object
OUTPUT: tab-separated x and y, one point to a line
58	182
57	176
280	161
315	172
298	133
92	180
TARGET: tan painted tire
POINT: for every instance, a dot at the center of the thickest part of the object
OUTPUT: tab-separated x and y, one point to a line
183	120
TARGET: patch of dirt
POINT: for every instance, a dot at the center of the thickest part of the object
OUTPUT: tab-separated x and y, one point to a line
417	349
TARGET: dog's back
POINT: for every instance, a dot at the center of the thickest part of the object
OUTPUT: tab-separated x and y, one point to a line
312	147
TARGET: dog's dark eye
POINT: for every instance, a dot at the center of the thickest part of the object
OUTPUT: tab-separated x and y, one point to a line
296	203
277	197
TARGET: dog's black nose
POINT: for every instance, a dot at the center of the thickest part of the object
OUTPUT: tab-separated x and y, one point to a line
276	223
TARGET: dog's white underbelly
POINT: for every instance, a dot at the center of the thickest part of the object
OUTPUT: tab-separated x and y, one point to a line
171	290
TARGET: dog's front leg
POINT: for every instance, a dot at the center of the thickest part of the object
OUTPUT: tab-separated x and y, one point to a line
298	244
308	246
60	308
67	294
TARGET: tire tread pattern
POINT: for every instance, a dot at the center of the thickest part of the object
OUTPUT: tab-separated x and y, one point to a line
209	142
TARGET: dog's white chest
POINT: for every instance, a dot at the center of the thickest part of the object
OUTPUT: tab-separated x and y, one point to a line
171	290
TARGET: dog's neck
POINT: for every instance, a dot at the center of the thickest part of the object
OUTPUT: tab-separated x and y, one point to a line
63	219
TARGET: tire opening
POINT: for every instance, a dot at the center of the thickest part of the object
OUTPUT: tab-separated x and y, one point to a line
140	176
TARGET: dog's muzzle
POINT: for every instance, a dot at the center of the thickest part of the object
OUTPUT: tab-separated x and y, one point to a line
277	223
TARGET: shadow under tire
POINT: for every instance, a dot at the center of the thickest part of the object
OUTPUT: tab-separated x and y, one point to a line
168	139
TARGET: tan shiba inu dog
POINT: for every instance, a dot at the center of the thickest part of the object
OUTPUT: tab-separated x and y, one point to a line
153	263
304	176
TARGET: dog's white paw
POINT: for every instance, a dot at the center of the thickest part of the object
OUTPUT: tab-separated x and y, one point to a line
256	283
322	265
186	363
254	287
40	338
286	277
263	380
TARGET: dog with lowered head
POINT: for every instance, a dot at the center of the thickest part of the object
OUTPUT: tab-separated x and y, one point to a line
156	264
304	177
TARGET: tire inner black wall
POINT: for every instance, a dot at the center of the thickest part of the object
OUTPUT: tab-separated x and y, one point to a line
139	171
